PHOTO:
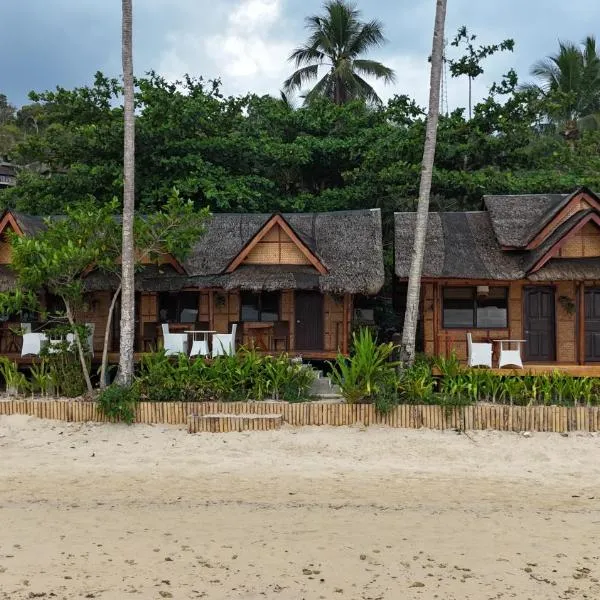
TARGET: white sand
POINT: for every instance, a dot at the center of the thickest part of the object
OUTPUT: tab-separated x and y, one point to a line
113	512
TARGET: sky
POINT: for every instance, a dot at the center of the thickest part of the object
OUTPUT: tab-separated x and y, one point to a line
45	43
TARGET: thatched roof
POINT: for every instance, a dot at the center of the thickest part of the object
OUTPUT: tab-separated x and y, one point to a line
29	224
517	219
347	243
458	245
467	246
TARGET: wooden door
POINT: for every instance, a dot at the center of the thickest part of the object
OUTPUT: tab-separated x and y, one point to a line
309	321
592	324
540	336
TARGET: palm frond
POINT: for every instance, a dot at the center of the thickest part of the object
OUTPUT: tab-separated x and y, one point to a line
370	34
366	91
322	89
305	55
372	68
300	77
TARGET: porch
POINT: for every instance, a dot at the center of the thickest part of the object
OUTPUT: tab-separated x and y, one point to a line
559	322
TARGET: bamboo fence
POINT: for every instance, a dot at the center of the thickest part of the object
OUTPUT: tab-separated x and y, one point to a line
560	419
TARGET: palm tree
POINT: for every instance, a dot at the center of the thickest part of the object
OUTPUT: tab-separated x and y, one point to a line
409	333
337	41
125	374
570	81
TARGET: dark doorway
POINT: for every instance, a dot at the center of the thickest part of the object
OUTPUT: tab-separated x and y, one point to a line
309	321
592	325
540	338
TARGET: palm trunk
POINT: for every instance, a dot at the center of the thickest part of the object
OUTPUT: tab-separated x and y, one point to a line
125	375
82	360
409	334
104	364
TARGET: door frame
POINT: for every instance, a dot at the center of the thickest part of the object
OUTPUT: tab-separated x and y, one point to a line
524	315
581	323
323	313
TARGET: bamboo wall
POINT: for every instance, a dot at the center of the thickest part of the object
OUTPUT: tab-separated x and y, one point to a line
96	312
440	341
276	248
221	308
477	417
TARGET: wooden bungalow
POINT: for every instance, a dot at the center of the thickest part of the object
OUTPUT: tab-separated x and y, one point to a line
526	268
288	281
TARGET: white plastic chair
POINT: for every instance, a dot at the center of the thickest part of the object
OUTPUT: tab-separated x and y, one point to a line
508	357
224	343
33	343
480	353
174	343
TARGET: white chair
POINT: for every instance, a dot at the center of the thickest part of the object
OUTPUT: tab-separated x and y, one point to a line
508	357
174	343
33	343
224	343
480	353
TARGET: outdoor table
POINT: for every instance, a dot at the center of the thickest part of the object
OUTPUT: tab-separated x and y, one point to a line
510	357
197	344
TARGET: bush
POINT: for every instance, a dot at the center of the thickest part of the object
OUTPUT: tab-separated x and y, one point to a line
118	402
369	372
244	376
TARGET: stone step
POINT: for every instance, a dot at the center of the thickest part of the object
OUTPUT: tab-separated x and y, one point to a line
224	423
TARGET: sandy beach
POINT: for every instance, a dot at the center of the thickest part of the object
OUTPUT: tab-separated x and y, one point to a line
112	512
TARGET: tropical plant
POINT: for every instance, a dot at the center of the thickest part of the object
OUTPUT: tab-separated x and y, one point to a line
416	384
337	41
14	379
43	378
118	402
369	370
411	315
569	80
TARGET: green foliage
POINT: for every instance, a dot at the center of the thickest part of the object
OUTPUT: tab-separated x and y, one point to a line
119	402
369	372
337	41
14	379
417	384
244	376
43	378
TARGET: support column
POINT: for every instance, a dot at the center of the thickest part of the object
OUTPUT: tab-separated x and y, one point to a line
581	324
346	324
211	309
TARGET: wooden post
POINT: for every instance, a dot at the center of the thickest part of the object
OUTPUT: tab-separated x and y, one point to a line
436	318
211	309
581	325
346	324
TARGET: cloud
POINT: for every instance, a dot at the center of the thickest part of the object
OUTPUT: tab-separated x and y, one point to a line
247	52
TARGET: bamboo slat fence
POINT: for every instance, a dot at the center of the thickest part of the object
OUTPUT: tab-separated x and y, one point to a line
559	419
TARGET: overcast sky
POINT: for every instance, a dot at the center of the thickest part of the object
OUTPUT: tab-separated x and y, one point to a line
45	43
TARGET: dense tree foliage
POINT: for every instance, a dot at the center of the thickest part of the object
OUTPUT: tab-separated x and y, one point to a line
253	153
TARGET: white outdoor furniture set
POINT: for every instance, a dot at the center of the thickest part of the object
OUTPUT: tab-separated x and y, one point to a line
177	343
480	353
33	342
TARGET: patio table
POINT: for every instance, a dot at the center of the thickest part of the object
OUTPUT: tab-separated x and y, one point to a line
199	346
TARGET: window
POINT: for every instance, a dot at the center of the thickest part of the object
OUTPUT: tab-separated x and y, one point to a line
179	307
465	308
262	306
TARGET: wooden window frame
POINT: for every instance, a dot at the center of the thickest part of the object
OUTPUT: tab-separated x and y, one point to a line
260	294
473	289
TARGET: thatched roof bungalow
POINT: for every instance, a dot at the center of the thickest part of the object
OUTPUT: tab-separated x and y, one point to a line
527	267
288	280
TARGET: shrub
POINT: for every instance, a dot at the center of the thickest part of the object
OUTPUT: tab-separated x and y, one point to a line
14	380
118	402
368	372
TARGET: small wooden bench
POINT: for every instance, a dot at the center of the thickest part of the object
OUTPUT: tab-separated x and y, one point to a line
224	423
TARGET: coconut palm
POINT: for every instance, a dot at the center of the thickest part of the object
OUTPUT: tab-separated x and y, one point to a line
127	335
409	333
570	81
338	40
